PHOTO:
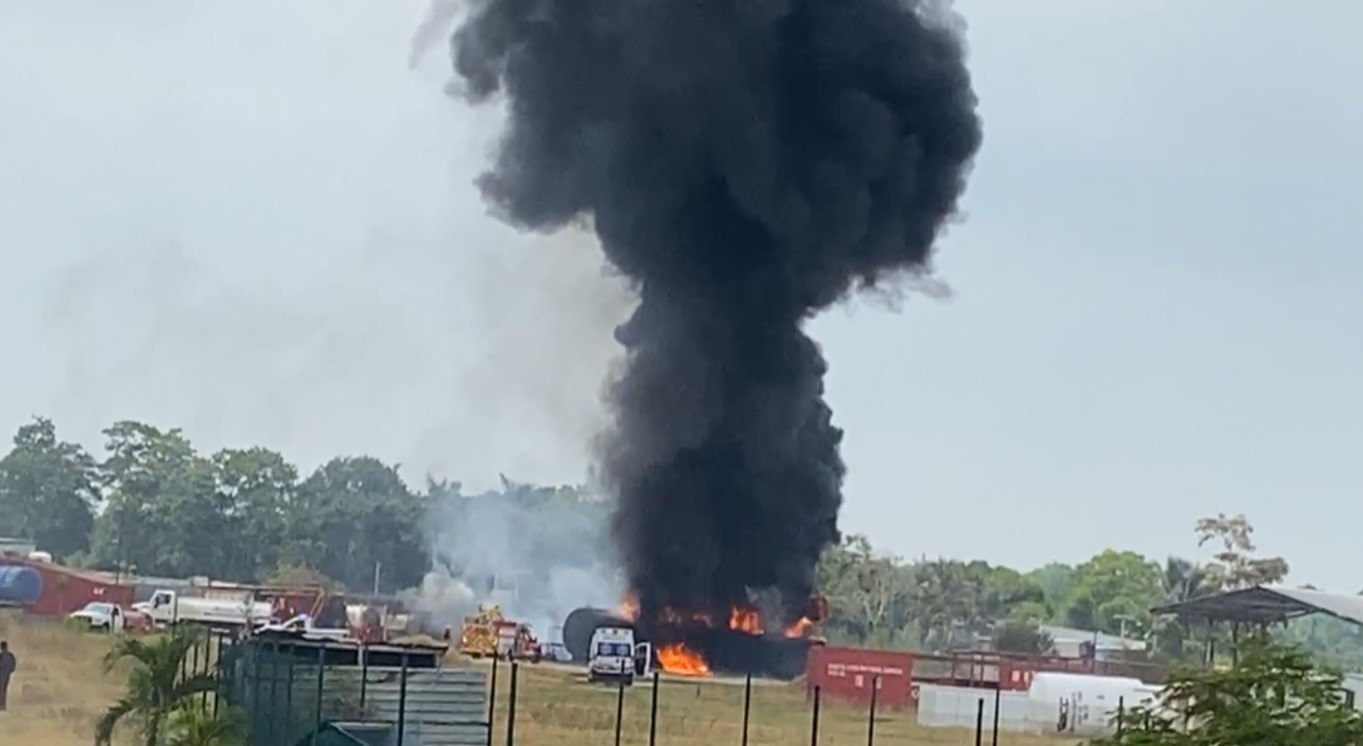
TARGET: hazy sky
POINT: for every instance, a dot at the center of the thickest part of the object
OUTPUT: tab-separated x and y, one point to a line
252	220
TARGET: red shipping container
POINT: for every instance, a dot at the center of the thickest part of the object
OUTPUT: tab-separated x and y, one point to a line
850	673
66	590
1016	675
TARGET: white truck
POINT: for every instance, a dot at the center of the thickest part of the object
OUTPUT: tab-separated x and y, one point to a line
100	615
168	608
615	657
303	625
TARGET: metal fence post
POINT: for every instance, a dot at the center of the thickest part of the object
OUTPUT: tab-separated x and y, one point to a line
511	707
208	669
871	715
274	691
288	698
492	702
252	675
195	666
1121	715
402	700
619	704
364	678
998	705
814	719
317	706
653	714
979	721
747	706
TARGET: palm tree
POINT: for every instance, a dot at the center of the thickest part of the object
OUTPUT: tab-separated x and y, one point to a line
1185	580
1181	581
194	726
156	688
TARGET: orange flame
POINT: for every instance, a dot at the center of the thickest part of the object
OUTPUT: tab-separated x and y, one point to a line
679	659
629	608
800	627
746	620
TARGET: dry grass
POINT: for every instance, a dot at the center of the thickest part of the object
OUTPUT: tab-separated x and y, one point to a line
555	708
60	691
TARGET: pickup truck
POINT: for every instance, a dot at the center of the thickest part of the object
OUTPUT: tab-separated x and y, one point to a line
106	617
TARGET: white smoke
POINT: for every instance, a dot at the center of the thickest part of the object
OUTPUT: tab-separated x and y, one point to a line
443	599
539	553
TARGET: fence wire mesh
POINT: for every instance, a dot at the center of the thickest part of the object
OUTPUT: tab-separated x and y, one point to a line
292	696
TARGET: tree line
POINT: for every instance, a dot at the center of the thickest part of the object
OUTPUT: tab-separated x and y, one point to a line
153	505
945	604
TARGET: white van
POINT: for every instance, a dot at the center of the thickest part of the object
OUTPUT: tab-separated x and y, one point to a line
615	657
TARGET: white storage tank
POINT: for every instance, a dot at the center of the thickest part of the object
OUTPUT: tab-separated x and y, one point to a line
1082	704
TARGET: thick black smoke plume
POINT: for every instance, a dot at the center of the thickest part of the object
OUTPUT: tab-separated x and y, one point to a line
745	163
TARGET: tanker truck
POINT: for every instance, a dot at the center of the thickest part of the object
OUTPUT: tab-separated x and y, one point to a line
167	608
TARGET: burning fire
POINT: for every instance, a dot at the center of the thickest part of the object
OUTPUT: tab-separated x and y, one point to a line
800	627
629	608
747	620
681	660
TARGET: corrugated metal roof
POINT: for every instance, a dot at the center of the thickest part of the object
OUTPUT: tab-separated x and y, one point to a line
1104	640
444	707
1267	604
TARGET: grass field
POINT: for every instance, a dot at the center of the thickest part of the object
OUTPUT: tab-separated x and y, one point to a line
60	691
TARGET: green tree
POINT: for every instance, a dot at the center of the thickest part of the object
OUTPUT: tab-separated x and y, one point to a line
1184	580
48	490
156	688
948	598
164	514
1055	580
1181	580
1008	595
287	575
353	519
1276	696
1113	592
867	591
1236	565
255	489
1021	637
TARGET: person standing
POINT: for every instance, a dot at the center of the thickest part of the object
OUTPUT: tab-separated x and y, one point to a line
7	666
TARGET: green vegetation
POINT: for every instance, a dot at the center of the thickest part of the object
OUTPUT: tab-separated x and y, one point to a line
164	702
1275	696
155	506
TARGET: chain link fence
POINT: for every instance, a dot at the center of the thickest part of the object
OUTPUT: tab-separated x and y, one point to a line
311	693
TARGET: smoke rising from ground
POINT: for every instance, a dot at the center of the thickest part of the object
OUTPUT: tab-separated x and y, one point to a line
746	164
538	552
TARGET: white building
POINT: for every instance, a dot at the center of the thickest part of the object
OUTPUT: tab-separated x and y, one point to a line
1068	641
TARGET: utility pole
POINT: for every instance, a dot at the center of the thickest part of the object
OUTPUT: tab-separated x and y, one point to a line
378	568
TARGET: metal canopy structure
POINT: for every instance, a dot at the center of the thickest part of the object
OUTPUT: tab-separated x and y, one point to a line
1262	604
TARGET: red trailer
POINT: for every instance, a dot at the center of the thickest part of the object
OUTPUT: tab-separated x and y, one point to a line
61	590
850	674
